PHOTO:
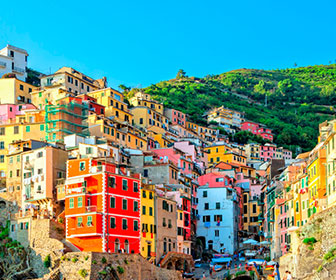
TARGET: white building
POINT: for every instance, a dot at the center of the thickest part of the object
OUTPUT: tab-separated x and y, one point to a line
14	60
218	224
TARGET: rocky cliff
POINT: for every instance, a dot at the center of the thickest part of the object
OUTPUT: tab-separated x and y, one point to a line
314	249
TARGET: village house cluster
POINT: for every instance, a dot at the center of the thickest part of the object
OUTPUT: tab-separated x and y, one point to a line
134	176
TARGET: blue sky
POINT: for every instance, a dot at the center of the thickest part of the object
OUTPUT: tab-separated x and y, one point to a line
138	43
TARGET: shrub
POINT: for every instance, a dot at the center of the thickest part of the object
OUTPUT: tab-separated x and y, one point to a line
309	240
103	272
86	258
47	261
103	260
252	273
94	262
328	256
120	269
319	269
83	273
311	248
62	258
74	260
125	261
60	220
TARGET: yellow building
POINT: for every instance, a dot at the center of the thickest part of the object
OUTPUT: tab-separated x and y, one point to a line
148	227
48	95
316	171
122	135
31	125
146	118
234	158
14	91
330	161
114	104
216	153
144	99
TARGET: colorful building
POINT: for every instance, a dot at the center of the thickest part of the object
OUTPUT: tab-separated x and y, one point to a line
102	207
148	225
258	129
175	116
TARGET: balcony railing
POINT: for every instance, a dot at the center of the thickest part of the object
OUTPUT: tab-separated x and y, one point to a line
18	70
89	209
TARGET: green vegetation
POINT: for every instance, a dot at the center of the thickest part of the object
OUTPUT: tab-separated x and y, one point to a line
94	262
83	273
47	261
86	258
240	273
252	274
103	260
319	269
309	240
33	77
298	99
120	269
125	261
74	260
103	272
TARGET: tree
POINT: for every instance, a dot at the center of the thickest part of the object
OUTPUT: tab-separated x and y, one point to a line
295	64
181	74
285	86
124	88
260	87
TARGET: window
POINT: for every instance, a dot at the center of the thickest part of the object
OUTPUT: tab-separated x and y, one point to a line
41	127
88	150
2	158
124	204
11	160
71	203
206	206
144	194
79	221
135	225
141	121
217	205
218	218
124	185
205	194
89	221
111	182
40	154
112	202
28	128
2	131
150	211
206	219
40	171
2	145
124	224
82	166
79	202
216	232
21	87
143	210
16	130
135	206
135	186
112	222
254	208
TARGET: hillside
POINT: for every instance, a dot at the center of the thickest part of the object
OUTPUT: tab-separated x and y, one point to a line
297	99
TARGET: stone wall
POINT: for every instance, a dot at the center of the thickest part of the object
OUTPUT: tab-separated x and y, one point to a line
94	265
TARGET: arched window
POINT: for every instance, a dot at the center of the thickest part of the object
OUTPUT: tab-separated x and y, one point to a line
169	245
116	245
164	245
126	247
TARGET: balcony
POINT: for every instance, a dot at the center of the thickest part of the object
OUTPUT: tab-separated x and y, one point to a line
91	209
18	70
3	64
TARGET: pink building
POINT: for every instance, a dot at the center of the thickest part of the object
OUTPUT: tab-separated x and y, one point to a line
283	225
287	154
215	179
258	129
267	152
10	111
175	116
179	158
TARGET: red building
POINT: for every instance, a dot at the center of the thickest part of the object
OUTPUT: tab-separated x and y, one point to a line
175	116
102	207
258	129
93	106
